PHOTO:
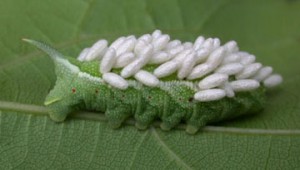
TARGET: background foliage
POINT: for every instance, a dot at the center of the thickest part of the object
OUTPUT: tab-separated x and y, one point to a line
29	140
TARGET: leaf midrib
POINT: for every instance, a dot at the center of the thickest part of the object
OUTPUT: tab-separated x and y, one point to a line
42	111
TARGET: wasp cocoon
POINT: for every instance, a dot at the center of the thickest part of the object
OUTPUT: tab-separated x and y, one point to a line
231	47
124	59
216	57
146	78
97	50
273	80
200	71
181	56
213	81
201	55
117	43
231	58
166	69
137	64
198	42
228	90
187	45
108	61
156	34
263	73
208	44
127	46
146	38
115	80
247	59
230	69
244	85
249	71
81	56
187	66
160	42
173	44
159	58
175	50
140	45
216	43
210	95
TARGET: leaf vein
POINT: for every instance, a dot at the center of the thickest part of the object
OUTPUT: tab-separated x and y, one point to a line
41	110
169	151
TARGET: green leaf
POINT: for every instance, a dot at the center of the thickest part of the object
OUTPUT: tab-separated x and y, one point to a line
30	140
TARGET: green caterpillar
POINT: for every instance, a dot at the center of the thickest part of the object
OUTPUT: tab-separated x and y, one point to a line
80	86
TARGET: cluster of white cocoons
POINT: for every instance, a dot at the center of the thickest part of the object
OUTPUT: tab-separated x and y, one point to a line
205	60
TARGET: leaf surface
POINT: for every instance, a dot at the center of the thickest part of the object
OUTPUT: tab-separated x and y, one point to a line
30	140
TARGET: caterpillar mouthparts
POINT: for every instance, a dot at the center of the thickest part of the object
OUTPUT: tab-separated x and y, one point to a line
152	77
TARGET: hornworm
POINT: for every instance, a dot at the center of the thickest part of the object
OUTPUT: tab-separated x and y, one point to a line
152	78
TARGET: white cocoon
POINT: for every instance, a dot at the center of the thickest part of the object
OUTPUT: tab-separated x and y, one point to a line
175	50
216	57
249	71
230	69
127	46
247	59
166	69
231	58
216	43
263	73
231	47
137	64
181	56
139	46
208	44
82	54
115	80
244	85
198	42
273	81
228	90
146	78
108	61
201	55
187	45
161	42
187	66
156	34
159	58
173	44
117	42
147	38
97	50
200	71
212	81
209	95
124	59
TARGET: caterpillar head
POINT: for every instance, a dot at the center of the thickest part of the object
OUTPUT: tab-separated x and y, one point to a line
63	98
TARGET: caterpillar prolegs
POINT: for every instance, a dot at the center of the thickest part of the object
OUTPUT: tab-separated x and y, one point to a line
152	78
